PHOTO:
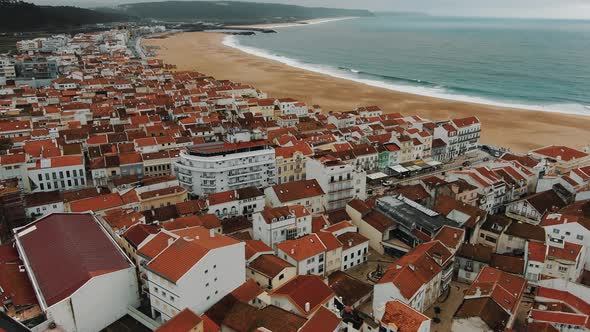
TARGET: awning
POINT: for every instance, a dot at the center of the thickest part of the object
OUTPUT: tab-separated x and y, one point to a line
399	169
377	176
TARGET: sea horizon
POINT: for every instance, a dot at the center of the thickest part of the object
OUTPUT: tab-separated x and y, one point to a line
549	89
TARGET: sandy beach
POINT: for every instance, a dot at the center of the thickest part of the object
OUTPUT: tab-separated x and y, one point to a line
519	130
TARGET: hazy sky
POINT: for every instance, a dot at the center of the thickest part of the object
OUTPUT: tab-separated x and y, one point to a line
501	8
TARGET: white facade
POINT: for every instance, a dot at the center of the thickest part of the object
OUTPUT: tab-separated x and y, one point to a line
98	303
572	232
214	276
44	209
315	265
340	181
237	207
7	68
277	230
206	173
49	178
354	256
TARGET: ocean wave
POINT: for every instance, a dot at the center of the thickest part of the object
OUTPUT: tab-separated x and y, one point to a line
412	86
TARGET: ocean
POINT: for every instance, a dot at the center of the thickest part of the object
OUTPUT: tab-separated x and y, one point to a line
524	63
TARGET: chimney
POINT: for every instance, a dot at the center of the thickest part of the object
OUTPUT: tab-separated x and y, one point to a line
170	241
307	307
412	267
350	243
292	251
477	292
212	232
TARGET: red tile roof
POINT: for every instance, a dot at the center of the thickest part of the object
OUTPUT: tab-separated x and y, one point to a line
186	251
247	292
403	317
560	152
322	321
74	240
98	203
184	321
302	248
504	288
305	289
297	190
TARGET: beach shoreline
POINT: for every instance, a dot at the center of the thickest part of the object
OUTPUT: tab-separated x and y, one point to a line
292	24
518	129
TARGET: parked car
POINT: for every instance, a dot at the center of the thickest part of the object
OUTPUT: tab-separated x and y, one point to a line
387	183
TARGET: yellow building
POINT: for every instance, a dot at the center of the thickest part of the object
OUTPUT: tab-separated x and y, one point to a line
291	162
162	197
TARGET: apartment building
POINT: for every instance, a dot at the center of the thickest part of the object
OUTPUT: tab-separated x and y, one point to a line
190	268
275	225
221	166
340	181
555	259
7	70
308	193
570	229
56	173
240	202
291	162
417	279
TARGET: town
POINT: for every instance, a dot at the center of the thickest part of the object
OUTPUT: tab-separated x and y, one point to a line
137	197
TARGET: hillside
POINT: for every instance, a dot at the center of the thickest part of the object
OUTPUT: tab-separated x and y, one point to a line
232	12
23	16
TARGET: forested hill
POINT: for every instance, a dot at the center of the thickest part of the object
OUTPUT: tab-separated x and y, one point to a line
233	11
23	16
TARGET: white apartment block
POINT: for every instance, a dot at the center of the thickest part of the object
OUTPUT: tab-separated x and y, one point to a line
196	268
569	229
221	166
233	203
308	193
275	225
56	173
340	181
7	68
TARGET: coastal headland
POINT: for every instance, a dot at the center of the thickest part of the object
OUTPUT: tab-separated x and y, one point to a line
517	129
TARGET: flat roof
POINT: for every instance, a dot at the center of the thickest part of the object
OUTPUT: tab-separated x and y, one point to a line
407	212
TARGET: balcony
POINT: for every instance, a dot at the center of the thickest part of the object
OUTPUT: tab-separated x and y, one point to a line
340	181
339	199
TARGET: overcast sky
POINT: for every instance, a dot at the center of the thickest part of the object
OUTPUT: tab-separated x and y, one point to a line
497	8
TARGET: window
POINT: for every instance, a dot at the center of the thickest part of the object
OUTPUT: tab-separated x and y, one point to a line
282	276
562	269
579	237
556	231
206	271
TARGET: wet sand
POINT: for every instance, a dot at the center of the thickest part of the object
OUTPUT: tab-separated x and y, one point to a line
519	130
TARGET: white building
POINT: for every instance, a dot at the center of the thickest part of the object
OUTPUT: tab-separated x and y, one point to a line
194	268
275	225
340	181
86	282
56	173
556	259
233	203
215	167
7	68
308	193
355	248
569	229
417	279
